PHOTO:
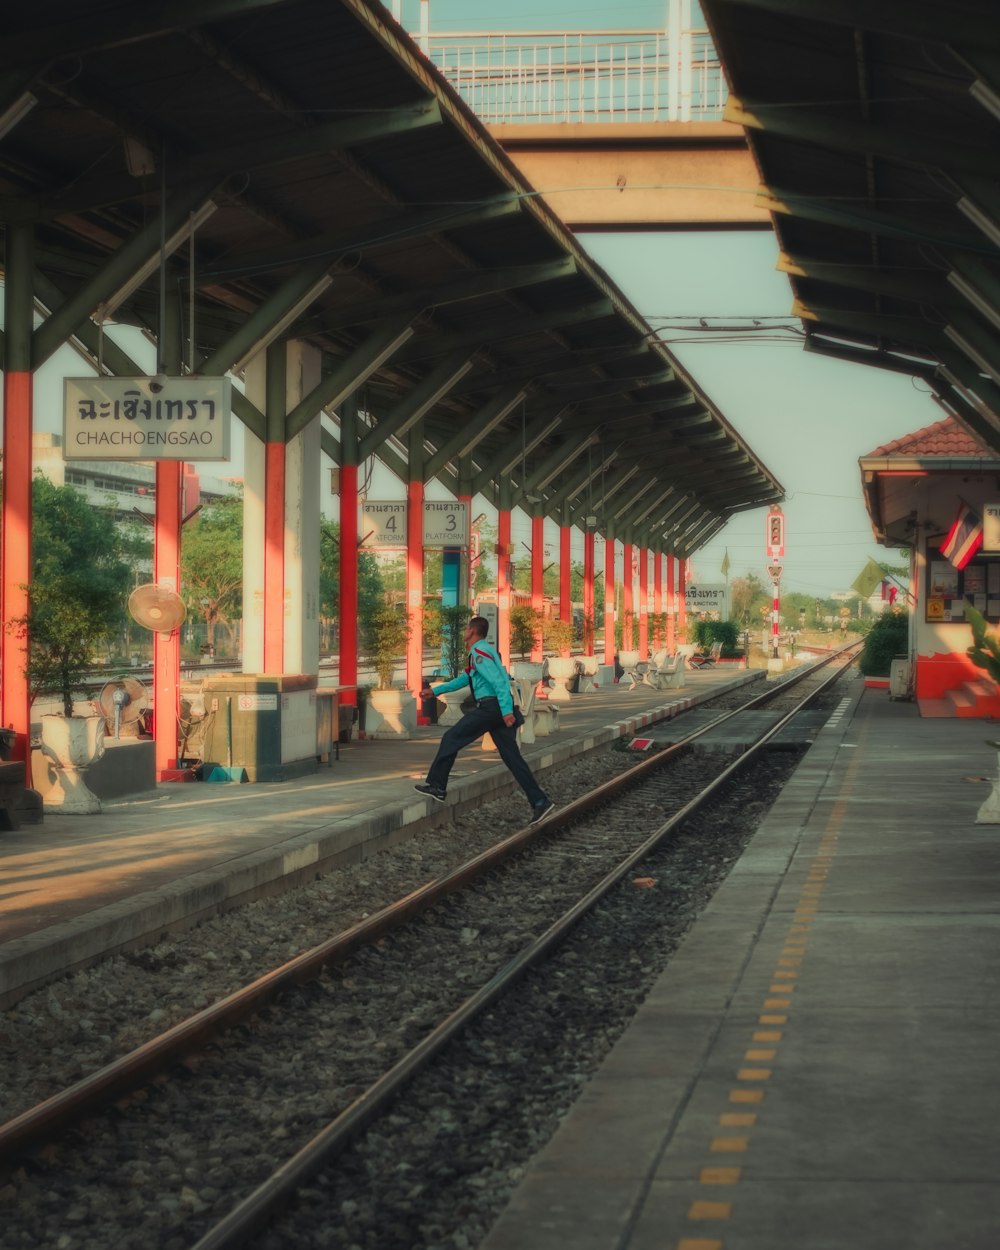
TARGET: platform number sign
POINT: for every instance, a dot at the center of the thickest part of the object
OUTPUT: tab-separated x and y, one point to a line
383	524
774	535
446	524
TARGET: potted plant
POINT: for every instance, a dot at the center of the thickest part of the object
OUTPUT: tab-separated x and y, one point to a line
392	713
563	670
525	630
454	619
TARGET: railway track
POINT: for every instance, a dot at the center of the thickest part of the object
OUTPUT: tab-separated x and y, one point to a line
556	874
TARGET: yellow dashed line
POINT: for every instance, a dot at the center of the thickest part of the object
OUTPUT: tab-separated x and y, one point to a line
702	1210
719	1176
746	1095
790	959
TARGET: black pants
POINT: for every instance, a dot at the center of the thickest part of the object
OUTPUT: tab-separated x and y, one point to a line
485	718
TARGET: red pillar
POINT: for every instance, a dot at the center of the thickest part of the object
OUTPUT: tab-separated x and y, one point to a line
349	582
681	601
503	583
167	647
588	592
643	604
274	558
538	579
609	600
565	575
671	638
415	585
15	554
658	637
628	607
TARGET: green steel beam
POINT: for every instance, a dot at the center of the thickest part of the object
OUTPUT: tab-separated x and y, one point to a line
117	270
353	371
385	231
468	286
419	400
255	153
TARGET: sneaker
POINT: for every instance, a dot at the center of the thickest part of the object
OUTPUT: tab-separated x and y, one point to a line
541	810
432	792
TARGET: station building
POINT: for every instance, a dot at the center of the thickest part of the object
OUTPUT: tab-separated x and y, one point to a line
918	490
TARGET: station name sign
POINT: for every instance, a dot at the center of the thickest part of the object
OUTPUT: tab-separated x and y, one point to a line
184	418
383	524
705	598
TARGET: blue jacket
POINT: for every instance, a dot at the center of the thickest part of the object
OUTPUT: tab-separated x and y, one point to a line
489	677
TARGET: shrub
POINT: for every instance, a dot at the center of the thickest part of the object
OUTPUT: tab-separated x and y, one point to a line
887	638
454	619
558	636
726	632
525	627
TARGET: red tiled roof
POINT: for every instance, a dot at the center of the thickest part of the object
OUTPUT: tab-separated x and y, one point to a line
947	438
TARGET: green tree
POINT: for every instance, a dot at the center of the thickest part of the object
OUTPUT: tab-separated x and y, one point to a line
525	629
79	591
370	587
484	571
747	596
212	564
137	552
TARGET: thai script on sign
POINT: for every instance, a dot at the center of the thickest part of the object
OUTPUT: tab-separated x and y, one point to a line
161	418
134	407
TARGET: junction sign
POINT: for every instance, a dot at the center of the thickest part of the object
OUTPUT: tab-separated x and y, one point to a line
704	599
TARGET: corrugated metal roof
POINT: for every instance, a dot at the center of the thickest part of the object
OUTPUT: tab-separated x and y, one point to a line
875	129
330	144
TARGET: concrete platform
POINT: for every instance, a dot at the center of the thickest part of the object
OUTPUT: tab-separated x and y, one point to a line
817	1068
78	887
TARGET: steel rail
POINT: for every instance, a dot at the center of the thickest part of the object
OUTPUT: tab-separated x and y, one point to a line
232	1231
54	1115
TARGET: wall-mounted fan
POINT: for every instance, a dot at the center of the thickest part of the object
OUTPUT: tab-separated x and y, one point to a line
122	701
157	608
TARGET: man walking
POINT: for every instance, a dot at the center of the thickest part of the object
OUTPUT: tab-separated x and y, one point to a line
493	713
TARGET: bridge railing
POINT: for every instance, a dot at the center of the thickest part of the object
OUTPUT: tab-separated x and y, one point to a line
583	76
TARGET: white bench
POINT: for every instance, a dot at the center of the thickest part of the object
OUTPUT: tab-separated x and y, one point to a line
668	674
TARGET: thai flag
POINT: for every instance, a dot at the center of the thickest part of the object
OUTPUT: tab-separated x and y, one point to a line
964	538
